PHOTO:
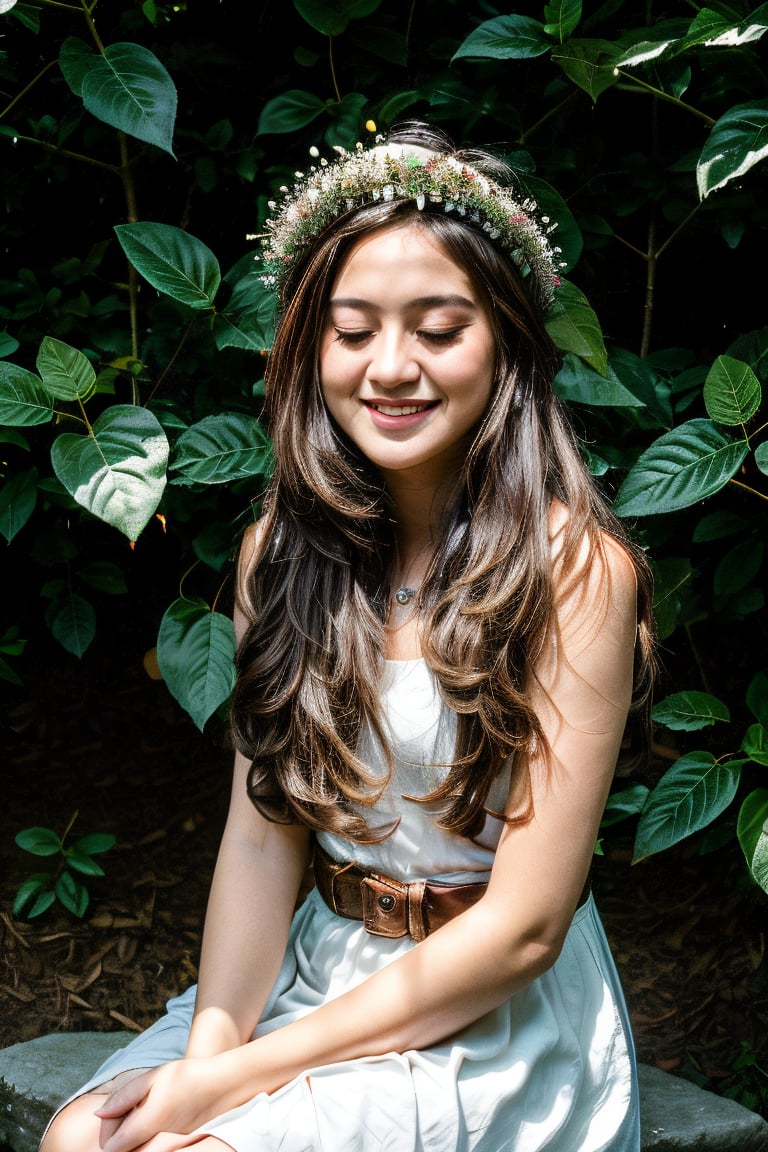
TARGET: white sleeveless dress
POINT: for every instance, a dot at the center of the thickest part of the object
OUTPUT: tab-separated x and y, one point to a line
552	1068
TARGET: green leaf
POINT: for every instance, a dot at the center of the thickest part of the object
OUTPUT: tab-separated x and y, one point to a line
94	843
752	831
196	656
219	449
679	469
689	796
72	894
7	673
289	112
755	743
670	575
621	805
576	328
757	697
579	384
731	391
105	576
645	51
17	502
331	19
39	841
562	18
738	141
505	38
689	711
23	400
118	471
36	889
127	87
738	567
590	64
73	623
66	373
174	262
83	864
761	457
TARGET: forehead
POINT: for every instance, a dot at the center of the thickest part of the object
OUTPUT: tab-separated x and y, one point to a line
396	255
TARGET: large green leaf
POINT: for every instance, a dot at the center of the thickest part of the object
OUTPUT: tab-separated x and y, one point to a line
172	261
576	328
23	400
289	112
506	38
17	502
248	321
196	657
689	796
562	18
222	448
118	470
579	384
590	64
732	392
752	831
679	469
127	87
738	141
689	711
66	373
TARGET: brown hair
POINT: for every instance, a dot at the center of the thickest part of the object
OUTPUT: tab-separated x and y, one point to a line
310	663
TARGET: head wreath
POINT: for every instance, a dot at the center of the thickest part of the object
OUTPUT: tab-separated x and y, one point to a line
409	172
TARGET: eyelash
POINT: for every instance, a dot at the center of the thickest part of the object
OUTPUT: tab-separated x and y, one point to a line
359	336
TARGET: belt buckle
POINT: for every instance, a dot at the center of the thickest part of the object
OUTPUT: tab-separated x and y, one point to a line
385	906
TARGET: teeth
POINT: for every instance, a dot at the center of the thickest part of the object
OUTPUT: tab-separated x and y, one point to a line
402	410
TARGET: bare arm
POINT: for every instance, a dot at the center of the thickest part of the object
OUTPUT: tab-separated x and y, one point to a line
500	945
258	873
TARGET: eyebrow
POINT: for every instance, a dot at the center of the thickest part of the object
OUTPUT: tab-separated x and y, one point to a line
419	302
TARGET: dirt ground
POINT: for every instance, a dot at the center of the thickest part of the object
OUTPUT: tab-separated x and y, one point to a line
103	739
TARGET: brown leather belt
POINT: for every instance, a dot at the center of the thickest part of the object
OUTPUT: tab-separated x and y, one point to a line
386	906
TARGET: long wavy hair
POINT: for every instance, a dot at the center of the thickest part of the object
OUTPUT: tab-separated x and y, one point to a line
315	596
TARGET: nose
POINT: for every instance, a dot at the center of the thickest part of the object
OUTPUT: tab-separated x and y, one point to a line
393	361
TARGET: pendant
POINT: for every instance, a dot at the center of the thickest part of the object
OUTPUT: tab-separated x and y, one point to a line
403	595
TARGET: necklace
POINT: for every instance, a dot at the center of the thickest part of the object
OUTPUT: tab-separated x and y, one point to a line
404	595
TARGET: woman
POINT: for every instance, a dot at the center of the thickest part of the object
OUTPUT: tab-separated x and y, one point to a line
442	632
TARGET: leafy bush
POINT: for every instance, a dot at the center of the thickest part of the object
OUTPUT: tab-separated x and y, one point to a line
138	159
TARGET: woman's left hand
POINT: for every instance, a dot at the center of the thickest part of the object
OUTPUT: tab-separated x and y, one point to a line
175	1098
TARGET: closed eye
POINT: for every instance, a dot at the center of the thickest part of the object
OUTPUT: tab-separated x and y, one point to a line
352	336
441	335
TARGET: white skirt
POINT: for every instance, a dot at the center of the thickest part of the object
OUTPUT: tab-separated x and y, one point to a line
552	1068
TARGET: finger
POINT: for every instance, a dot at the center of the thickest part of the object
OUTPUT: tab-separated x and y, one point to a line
120	1102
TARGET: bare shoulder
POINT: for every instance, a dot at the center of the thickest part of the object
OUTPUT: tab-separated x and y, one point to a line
592	566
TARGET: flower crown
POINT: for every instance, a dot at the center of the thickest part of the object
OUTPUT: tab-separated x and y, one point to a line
408	172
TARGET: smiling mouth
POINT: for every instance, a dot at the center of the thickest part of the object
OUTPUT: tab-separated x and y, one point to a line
401	409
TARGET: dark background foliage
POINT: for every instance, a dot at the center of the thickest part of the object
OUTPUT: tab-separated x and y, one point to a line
674	278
